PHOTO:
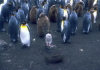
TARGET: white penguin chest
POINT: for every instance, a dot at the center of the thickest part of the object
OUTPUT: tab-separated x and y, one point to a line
95	14
62	25
24	35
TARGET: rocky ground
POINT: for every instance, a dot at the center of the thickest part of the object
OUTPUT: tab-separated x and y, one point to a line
82	54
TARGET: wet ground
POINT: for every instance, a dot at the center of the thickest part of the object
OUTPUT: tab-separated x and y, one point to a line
82	54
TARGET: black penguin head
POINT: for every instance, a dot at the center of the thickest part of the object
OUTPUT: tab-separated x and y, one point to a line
24	22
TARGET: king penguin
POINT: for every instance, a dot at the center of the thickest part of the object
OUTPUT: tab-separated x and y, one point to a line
87	22
13	28
65	30
25	34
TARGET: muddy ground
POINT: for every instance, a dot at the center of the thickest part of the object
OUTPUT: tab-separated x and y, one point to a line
82	54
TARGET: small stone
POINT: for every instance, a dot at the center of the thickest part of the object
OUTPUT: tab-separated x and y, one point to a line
34	40
8	60
81	50
10	44
98	40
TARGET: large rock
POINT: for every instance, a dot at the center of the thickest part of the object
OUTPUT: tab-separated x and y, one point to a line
53	55
3	45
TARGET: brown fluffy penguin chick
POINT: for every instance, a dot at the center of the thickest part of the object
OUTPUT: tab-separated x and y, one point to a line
43	25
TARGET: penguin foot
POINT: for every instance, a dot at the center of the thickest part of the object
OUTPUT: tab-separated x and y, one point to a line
85	32
25	46
72	34
68	42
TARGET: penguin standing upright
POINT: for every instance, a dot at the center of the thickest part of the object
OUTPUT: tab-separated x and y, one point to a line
33	14
79	8
87	22
73	19
53	13
1	24
1	18
95	15
59	19
13	28
25	8
20	15
65	30
48	39
25	34
64	17
43	25
4	14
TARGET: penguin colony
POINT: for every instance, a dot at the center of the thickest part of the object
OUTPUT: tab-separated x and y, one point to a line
19	13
